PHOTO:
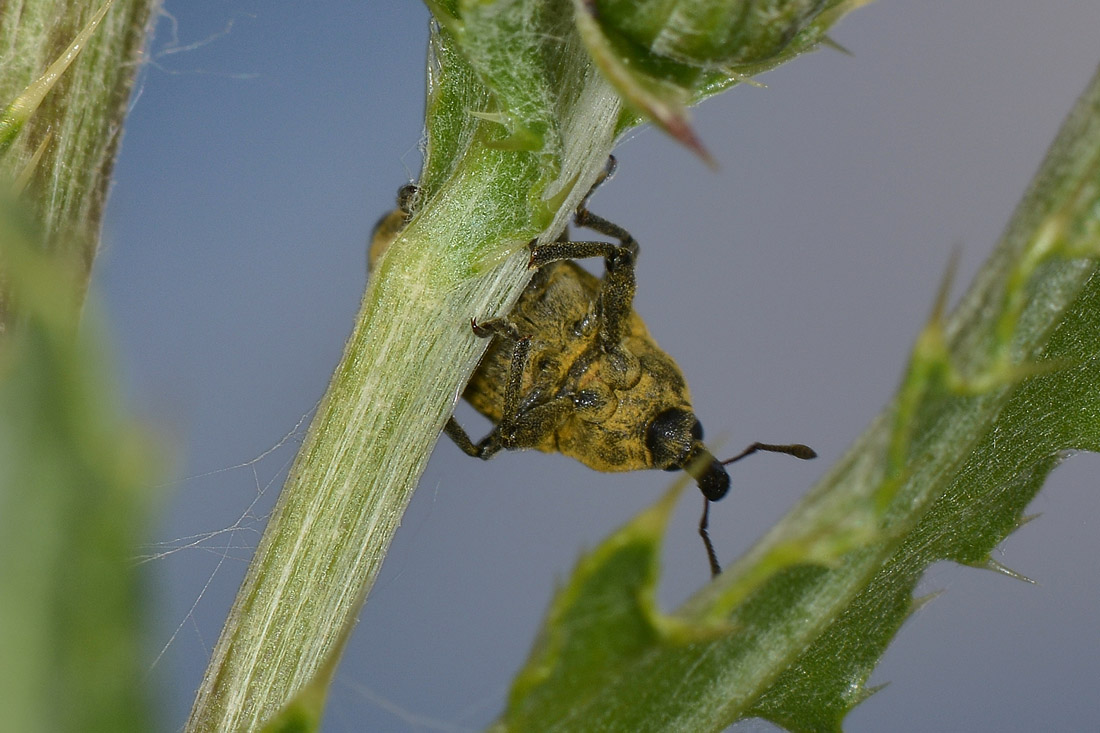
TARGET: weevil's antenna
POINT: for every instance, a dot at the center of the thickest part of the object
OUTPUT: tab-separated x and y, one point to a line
797	450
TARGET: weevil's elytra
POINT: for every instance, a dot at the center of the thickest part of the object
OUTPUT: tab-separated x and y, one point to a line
573	369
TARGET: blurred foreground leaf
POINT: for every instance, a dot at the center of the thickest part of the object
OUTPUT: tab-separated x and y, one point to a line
72	472
71	468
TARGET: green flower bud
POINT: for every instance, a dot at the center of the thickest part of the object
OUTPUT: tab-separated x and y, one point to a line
663	55
708	33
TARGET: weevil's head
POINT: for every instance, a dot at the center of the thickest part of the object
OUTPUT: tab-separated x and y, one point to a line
675	442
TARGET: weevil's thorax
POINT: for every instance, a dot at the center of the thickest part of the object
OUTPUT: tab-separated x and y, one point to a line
614	438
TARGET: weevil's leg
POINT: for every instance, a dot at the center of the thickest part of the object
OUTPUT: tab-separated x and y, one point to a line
495	440
406	197
615	300
585	218
520	353
521	349
389	226
495	327
531	425
486	449
560	249
605	175
616	297
595	222
563	249
526	429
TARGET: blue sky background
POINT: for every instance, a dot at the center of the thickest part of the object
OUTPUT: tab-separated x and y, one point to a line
266	138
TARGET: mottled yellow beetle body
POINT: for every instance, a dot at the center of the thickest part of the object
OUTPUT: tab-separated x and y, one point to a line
608	433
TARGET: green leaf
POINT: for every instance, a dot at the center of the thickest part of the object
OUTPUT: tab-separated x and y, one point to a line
579	652
72	473
992	397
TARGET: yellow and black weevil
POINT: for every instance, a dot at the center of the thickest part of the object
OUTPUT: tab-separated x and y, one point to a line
574	370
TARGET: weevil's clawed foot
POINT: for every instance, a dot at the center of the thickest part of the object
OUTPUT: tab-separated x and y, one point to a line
494	327
479	330
581	215
532	248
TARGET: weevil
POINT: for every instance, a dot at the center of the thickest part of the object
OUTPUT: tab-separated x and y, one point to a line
573	370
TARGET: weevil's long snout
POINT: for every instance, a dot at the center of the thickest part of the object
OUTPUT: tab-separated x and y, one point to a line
708	472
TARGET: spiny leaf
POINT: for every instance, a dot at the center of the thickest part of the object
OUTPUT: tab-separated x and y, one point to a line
664	102
945	473
577	653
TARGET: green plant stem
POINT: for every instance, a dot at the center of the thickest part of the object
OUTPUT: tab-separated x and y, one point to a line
402	370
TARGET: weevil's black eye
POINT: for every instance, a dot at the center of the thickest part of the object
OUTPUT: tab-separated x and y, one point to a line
697	430
669	437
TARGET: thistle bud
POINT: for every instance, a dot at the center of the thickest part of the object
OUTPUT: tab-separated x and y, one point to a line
663	55
709	34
